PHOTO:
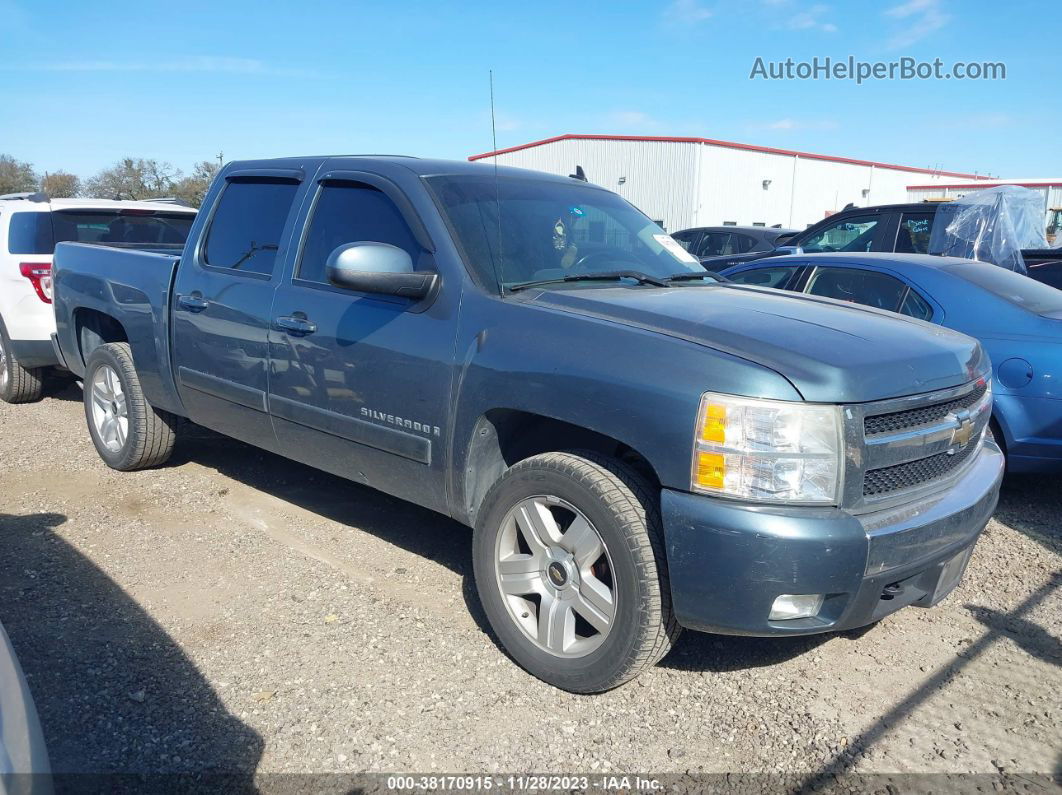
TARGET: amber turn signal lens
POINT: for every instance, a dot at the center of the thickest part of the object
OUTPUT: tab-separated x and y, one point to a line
711	468
714	429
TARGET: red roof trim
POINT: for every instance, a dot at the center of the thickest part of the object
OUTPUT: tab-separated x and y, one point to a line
729	145
995	182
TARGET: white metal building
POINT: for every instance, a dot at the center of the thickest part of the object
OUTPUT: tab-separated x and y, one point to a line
684	182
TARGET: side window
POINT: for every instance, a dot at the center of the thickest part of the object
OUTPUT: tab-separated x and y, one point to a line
854	233
30	233
766	277
715	244
687	239
742	243
349	213
912	236
245	231
915	305
857	286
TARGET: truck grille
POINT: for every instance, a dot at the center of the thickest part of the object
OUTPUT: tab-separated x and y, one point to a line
926	415
916	473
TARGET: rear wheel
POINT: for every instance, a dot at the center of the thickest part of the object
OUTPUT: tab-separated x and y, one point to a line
569	564
127	431
18	384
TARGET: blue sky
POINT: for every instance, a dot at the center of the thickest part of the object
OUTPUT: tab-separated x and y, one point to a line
85	83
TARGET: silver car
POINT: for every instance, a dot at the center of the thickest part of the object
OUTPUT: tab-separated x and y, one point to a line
22	750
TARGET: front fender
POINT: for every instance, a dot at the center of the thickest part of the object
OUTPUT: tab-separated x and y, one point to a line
639	387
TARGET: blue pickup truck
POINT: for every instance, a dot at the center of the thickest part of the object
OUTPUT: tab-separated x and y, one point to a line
638	446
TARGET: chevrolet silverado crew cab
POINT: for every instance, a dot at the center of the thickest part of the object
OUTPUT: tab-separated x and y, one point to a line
638	446
30	226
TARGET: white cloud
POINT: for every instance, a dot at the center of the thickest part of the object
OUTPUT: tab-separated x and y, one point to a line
193	63
633	120
681	13
789	124
981	121
811	18
914	21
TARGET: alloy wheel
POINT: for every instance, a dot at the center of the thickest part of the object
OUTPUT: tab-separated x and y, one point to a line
555	576
110	414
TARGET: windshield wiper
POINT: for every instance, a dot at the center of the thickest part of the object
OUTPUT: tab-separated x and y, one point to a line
609	276
689	277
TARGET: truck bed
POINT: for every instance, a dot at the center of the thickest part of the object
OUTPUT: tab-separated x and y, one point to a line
132	283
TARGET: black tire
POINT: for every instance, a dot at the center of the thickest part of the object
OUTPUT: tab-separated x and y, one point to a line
624	511
995	433
18	384
150	436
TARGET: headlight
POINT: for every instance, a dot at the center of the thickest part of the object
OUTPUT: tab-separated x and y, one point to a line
768	450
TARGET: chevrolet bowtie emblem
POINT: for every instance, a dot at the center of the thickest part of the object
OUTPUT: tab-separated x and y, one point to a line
961	435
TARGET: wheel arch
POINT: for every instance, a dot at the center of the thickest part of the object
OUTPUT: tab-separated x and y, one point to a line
93	328
503	437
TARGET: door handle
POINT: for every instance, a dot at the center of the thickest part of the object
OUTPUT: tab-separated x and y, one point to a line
297	326
192	303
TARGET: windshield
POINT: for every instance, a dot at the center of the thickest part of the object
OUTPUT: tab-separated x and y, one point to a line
1016	288
38	232
552	230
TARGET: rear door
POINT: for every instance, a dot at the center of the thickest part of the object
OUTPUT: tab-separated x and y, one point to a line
360	383
222	300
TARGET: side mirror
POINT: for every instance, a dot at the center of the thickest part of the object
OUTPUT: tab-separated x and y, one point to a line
378	268
789	250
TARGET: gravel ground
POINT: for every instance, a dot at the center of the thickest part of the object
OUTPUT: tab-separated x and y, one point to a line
237	612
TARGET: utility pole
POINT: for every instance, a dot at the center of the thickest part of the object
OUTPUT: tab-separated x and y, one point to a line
221	159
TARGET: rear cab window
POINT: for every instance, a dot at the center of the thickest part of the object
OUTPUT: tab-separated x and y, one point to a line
244	233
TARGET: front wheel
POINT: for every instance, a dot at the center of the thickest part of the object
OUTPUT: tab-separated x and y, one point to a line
127	431
569	565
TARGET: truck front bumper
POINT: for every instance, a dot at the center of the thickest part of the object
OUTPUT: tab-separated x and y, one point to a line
729	561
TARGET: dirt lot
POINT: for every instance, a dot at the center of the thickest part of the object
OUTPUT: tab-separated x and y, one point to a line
235	611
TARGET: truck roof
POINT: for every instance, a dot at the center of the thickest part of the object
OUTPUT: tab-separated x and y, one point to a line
423	167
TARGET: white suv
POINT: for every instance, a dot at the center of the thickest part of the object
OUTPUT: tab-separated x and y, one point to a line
30	226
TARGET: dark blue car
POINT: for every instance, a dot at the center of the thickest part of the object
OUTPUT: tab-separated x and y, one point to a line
1018	321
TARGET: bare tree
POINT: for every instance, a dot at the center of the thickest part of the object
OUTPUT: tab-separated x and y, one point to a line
16	176
134	178
60	185
192	189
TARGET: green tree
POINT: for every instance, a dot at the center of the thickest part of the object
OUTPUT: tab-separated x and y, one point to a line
192	189
134	178
16	176
60	185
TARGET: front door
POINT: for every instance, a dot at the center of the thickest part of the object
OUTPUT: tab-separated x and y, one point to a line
221	311
360	383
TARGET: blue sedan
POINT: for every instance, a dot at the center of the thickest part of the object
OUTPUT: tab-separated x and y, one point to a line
1018	321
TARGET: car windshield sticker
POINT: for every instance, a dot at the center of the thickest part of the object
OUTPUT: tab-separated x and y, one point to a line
675	249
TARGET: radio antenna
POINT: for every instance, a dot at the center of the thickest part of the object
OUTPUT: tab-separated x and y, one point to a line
497	189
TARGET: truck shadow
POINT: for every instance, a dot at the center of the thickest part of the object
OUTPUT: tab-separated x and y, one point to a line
432	536
114	692
417	530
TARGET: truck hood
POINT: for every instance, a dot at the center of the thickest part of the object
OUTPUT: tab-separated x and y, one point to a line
831	352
